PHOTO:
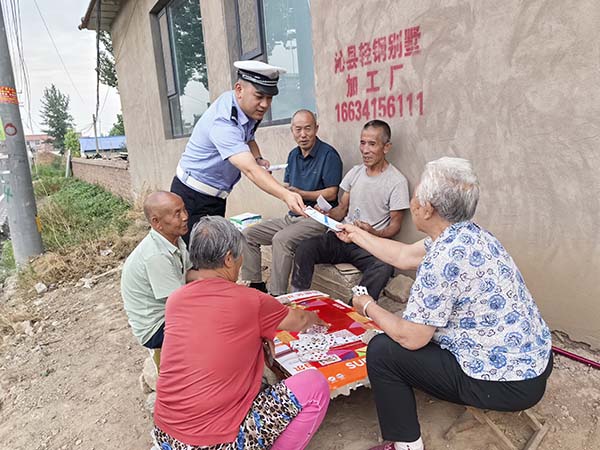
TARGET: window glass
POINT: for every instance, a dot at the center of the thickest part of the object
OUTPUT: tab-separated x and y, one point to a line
249	28
288	40
186	74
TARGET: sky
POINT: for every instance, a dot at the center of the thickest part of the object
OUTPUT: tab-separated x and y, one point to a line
78	51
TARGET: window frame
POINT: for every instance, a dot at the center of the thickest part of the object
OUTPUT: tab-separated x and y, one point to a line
262	56
259	51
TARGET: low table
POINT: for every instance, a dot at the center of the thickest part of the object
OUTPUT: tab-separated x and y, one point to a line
345	367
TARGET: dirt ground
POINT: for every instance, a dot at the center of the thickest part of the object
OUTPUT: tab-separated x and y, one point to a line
69	370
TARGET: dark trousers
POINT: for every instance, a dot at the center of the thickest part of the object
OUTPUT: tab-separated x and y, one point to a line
395	371
328	249
197	205
156	341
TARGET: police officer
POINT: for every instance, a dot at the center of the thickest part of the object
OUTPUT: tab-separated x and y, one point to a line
222	146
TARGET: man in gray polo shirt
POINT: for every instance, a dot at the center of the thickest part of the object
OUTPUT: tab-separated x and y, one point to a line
156	267
375	195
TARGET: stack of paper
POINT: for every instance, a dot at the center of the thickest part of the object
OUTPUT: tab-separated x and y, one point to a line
244	220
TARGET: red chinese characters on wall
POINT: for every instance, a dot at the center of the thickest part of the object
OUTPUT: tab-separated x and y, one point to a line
396	45
381	58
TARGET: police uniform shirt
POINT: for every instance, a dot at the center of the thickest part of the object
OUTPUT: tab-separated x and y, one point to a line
222	131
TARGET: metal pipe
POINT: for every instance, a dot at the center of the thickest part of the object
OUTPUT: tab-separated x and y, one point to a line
573	356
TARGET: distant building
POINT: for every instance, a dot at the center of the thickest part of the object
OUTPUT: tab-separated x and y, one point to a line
39	143
106	145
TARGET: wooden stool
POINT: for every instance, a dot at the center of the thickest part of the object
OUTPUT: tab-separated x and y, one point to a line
472	416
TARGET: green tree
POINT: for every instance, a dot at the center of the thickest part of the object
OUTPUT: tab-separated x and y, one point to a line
118	128
108	74
72	142
55	116
186	24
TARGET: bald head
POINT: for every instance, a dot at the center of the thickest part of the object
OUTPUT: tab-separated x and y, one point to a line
157	203
167	214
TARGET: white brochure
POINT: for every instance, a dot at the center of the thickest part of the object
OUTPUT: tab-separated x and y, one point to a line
323	219
274	167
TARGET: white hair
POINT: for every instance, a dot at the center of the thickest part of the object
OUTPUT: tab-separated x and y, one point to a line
452	188
210	241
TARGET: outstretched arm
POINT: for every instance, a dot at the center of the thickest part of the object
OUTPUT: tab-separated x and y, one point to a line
265	181
398	254
300	320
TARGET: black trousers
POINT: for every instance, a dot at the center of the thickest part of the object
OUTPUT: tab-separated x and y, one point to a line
394	371
197	205
156	341
328	249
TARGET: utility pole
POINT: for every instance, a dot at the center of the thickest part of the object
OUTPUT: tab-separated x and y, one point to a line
18	188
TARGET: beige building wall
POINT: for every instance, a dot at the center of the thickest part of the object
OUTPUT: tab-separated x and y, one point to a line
514	87
511	85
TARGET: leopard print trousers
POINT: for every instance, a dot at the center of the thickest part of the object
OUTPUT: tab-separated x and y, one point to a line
271	412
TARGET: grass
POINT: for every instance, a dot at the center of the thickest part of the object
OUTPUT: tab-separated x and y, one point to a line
79	212
85	229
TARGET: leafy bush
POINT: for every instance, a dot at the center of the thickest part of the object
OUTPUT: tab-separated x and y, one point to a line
55	169
80	212
48	185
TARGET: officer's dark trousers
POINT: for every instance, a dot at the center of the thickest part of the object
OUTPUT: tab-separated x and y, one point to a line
328	249
395	371
197	205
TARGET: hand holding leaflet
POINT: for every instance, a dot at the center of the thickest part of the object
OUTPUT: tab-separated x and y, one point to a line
322	219
323	204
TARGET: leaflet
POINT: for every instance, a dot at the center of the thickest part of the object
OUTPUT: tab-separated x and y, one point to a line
323	204
322	219
274	167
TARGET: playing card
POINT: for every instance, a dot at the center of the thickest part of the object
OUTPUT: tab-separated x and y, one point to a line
312	356
323	204
343	337
360	290
316	329
328	359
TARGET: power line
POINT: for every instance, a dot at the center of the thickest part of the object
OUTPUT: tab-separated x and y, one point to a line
57	52
15	41
105	98
17	33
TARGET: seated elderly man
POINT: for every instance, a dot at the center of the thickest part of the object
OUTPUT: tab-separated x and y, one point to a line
208	392
471	333
156	267
314	169
375	195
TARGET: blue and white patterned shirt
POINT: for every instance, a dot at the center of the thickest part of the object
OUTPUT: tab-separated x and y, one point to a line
469	287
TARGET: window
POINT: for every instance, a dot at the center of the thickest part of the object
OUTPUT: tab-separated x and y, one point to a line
186	75
282	37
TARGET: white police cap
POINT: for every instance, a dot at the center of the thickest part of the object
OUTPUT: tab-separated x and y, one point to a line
263	76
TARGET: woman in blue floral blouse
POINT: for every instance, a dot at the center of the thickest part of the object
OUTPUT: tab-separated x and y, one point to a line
471	332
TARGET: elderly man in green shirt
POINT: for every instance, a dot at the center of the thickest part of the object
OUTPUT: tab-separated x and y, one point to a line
157	266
